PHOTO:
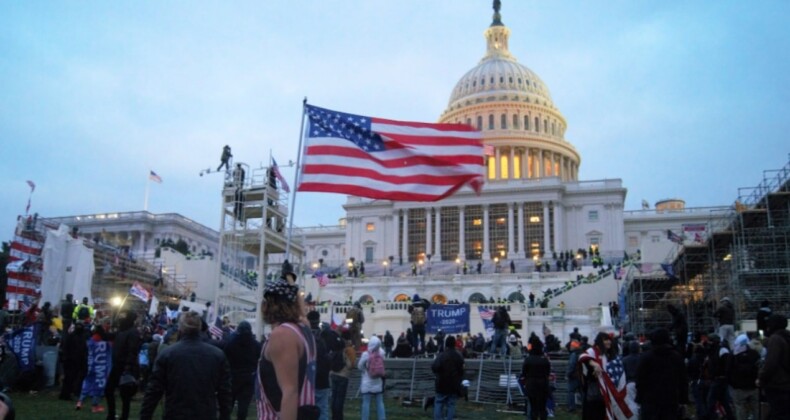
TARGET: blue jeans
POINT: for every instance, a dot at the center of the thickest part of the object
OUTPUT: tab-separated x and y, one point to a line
573	386
322	401
339	388
441	402
379	406
499	340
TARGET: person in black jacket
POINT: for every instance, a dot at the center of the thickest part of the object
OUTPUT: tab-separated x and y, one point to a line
389	343
535	377
193	376
242	351
774	377
661	382
762	316
680	327
75	361
448	369
66	312
742	378
501	321
125	353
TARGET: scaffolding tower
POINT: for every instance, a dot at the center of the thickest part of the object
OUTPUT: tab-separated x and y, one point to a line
745	256
253	227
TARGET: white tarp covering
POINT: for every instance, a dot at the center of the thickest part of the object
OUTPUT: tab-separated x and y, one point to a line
68	267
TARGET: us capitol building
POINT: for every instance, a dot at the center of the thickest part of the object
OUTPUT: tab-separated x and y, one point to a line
533	211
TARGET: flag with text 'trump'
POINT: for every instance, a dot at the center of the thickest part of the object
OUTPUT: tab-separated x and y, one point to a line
385	159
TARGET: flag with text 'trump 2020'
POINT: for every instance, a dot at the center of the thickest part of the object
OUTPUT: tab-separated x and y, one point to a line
386	159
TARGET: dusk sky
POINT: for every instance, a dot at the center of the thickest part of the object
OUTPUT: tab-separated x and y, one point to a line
678	99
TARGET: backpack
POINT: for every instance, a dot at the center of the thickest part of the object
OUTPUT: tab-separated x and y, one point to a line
375	365
418	315
83	312
322	356
744	369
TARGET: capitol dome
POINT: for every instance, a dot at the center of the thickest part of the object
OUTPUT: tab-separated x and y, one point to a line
523	130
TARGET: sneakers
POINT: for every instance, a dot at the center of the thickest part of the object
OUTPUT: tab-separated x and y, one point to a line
97	409
78	406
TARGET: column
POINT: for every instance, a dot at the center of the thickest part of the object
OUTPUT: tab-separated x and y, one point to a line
541	167
511	251
405	248
546	234
394	233
438	242
141	245
486	247
497	166
461	235
428	231
511	170
524	159
521	251
558	227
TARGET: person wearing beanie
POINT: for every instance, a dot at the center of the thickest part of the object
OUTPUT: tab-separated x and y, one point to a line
448	370
535	373
371	386
774	377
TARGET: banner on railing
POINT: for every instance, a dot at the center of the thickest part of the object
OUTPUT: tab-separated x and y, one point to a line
452	319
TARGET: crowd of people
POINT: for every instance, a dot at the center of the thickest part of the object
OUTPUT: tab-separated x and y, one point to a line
303	367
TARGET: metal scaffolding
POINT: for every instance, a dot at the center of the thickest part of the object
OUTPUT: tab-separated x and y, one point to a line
252	227
746	257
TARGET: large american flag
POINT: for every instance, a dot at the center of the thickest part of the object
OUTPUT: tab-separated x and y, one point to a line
25	267
612	384
386	159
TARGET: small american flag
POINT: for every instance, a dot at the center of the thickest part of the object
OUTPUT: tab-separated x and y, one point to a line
154	177
322	278
280	177
216	330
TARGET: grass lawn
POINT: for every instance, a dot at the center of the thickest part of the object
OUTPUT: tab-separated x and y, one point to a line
46	406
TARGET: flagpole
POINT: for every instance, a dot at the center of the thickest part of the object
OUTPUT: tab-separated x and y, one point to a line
147	187
296	183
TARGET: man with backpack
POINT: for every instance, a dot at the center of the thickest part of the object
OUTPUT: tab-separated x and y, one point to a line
501	321
419	316
774	377
742	378
84	312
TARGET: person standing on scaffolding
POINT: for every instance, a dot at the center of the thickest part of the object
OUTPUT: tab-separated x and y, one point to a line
225	158
238	176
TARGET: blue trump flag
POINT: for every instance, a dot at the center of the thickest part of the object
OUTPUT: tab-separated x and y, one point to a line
99	365
452	319
22	342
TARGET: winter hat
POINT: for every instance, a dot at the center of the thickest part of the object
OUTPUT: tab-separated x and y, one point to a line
741	344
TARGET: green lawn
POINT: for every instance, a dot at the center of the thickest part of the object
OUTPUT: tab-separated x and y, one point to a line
46	406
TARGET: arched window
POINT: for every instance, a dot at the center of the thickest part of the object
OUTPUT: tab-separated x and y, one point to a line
517	166
491	122
477	298
537	125
553	128
515	122
479	122
545	126
503	122
526	122
468	121
504	167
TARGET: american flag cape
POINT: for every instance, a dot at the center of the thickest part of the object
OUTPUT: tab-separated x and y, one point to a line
612	384
385	159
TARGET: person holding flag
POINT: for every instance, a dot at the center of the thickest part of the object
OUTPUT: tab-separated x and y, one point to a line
604	382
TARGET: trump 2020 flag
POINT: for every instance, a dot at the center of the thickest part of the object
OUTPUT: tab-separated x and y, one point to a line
140	292
487	316
385	159
611	383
